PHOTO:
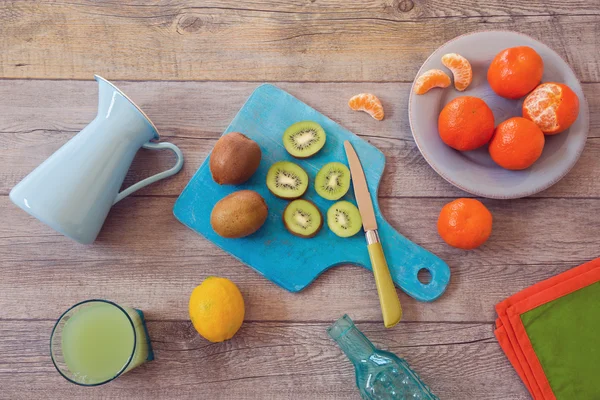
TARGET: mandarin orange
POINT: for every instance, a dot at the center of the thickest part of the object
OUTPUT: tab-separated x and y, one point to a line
554	107
516	71
465	223
466	123
517	143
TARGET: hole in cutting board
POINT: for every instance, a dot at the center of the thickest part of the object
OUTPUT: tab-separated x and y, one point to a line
424	276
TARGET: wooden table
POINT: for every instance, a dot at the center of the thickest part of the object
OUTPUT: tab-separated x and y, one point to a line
190	64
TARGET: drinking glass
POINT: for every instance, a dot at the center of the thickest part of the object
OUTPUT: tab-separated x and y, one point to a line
96	341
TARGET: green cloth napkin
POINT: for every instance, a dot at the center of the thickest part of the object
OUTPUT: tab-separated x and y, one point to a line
565	335
550	332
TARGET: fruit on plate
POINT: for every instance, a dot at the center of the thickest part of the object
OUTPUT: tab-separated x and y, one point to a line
554	107
517	143
461	70
304	139
368	103
465	223
343	218
332	181
217	309
516	71
431	79
466	123
234	159
287	180
302	218
239	214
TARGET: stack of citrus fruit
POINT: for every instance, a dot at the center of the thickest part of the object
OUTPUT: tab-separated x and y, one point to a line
548	109
467	123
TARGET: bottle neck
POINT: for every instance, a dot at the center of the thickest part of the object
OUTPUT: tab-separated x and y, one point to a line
352	341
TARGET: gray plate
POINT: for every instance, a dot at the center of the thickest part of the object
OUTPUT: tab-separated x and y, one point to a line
474	171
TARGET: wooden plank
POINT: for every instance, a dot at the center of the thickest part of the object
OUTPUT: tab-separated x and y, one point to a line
266	361
38	118
144	257
204	109
270	41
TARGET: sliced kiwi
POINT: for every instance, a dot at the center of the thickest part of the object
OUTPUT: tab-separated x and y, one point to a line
343	218
302	218
287	180
304	139
332	181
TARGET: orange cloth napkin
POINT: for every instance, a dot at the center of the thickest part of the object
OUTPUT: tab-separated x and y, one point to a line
512	335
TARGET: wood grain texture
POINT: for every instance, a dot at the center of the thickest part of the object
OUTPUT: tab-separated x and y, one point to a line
266	361
168	55
271	41
201	111
145	258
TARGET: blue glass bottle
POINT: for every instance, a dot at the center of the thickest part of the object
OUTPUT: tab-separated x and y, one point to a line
380	374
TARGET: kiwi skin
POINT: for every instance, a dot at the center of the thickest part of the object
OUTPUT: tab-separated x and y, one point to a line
297	234
239	214
234	159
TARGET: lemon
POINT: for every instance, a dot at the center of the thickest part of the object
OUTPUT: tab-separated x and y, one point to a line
217	309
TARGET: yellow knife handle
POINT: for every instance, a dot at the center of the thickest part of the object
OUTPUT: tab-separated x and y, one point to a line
388	298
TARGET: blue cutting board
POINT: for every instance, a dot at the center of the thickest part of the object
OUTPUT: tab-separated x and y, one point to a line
289	261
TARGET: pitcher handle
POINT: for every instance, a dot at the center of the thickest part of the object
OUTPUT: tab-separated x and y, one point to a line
161	175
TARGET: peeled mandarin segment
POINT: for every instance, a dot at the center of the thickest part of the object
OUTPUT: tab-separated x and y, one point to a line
430	79
553	107
461	70
368	103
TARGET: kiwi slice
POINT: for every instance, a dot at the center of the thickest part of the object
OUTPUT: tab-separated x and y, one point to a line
302	218
287	180
304	139
332	181
343	218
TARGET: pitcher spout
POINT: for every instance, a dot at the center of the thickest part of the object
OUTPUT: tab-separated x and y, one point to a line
113	103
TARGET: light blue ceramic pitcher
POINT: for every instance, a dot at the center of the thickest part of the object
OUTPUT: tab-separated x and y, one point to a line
74	189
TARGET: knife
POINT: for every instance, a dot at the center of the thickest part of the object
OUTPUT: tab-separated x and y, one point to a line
388	298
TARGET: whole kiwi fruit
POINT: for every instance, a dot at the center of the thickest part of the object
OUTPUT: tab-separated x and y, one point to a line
234	159
239	214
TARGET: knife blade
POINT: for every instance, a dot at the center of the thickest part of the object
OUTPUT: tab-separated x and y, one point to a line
388	298
361	190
